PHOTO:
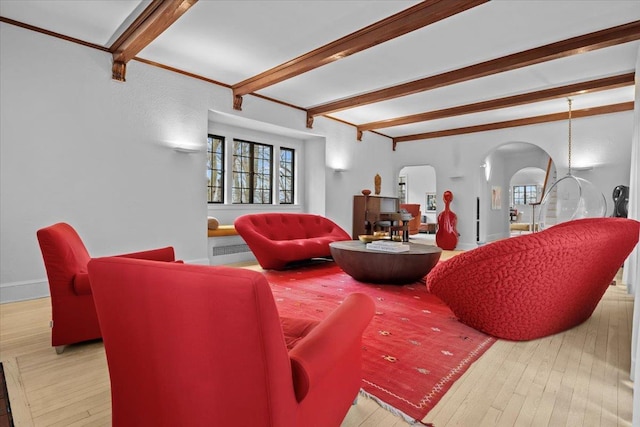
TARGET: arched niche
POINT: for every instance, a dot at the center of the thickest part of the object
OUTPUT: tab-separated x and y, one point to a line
525	187
419	184
494	185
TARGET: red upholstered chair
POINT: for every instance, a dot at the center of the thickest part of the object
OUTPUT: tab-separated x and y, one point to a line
65	259
538	284
194	345
414	210
278	239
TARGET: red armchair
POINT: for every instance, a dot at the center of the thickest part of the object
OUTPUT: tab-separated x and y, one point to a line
198	345
414	210
277	239
65	259
538	284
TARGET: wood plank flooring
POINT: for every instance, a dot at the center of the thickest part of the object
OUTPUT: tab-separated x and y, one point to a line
576	378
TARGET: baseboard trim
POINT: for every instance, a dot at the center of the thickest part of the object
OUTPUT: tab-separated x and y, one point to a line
33	289
23	290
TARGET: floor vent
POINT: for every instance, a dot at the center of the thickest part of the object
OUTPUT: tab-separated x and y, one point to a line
231	249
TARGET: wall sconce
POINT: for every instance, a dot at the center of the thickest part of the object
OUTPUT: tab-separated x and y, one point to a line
339	170
487	170
187	149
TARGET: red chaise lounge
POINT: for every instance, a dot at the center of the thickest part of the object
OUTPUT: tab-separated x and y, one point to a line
73	314
278	239
538	284
194	345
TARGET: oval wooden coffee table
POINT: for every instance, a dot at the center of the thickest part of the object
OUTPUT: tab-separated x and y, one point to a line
369	266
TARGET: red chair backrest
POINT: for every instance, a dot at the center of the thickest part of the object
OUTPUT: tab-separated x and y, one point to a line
64	256
191	344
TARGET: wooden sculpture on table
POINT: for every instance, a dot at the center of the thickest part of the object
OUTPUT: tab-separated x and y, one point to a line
447	234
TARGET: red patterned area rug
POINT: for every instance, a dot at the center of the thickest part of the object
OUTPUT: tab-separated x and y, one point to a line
413	350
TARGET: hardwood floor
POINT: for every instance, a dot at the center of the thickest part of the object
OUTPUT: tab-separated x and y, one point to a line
576	378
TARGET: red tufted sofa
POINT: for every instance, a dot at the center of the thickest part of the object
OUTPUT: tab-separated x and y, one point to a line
277	239
538	284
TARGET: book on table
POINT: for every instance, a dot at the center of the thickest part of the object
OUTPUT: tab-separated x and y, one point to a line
387	246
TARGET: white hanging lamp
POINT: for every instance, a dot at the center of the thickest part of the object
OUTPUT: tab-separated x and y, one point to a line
570	198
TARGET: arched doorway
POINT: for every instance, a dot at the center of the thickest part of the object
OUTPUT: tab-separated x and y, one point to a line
417	185
495	190
525	188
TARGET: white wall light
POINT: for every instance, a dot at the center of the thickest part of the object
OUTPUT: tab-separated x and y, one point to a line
487	170
184	148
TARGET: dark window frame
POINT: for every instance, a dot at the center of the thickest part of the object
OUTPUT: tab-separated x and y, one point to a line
212	162
286	180
523	193
249	185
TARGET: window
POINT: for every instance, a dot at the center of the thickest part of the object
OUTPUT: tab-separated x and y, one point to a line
525	194
252	172
285	189
402	188
215	169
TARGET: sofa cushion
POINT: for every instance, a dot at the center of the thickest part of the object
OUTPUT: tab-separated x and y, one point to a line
222	230
296	329
212	223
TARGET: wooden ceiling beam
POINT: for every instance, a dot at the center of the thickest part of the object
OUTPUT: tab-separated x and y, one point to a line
586	112
575	45
154	20
580	88
413	18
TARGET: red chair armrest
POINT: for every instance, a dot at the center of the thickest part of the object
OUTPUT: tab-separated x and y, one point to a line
327	343
81	285
160	254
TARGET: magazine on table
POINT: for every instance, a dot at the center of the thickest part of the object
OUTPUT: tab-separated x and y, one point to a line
387	246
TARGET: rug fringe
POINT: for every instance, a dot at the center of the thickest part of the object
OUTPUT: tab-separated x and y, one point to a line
393	410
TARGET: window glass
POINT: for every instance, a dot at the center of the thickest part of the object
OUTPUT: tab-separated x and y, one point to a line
252	172
525	194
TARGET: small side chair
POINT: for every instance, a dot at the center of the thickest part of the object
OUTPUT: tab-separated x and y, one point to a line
65	257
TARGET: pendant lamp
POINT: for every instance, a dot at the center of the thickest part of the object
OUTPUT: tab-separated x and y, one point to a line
570	198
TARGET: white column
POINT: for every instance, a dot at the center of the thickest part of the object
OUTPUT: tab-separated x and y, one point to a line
631	273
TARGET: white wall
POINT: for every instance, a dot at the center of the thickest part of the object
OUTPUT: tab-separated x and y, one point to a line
458	161
81	148
361	161
631	273
78	147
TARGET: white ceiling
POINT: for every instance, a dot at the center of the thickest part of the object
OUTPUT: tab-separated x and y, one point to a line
230	41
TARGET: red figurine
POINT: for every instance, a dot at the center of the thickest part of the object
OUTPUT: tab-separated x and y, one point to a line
447	235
